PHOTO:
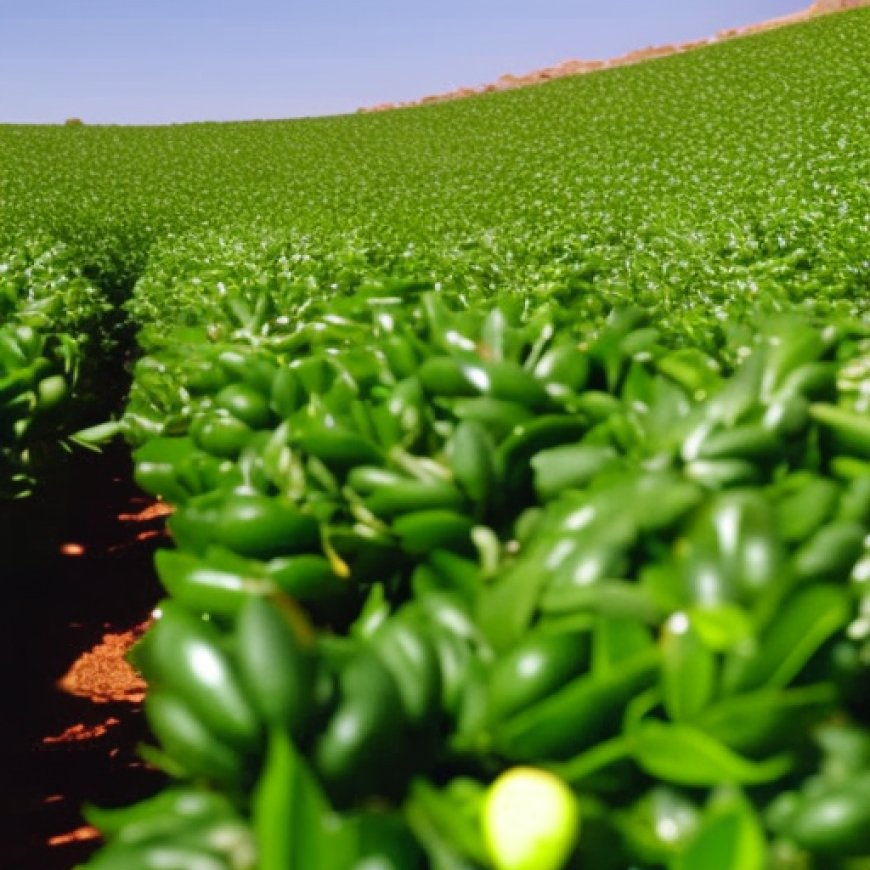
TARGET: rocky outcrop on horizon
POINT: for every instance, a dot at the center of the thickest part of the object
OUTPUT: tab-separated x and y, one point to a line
822	6
509	81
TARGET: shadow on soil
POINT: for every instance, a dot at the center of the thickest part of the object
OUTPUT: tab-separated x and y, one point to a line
54	608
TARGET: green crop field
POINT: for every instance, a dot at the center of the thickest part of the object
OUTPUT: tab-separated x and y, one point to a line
519	456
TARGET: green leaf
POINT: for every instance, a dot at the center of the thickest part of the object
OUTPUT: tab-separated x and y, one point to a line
752	721
446	836
721	626
798	630
685	755
689	668
730	838
294	826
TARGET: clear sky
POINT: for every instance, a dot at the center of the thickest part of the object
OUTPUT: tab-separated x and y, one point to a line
164	61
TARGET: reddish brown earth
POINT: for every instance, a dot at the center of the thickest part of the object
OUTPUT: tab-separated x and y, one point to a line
508	81
103	675
78	584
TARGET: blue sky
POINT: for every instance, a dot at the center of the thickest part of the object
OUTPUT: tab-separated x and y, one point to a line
130	62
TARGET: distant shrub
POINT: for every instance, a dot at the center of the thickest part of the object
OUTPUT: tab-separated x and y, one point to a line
74	122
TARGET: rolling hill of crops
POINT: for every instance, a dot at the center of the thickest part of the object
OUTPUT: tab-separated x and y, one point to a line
741	154
518	447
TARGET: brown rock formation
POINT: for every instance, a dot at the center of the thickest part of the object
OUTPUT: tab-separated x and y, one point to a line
509	81
820	7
